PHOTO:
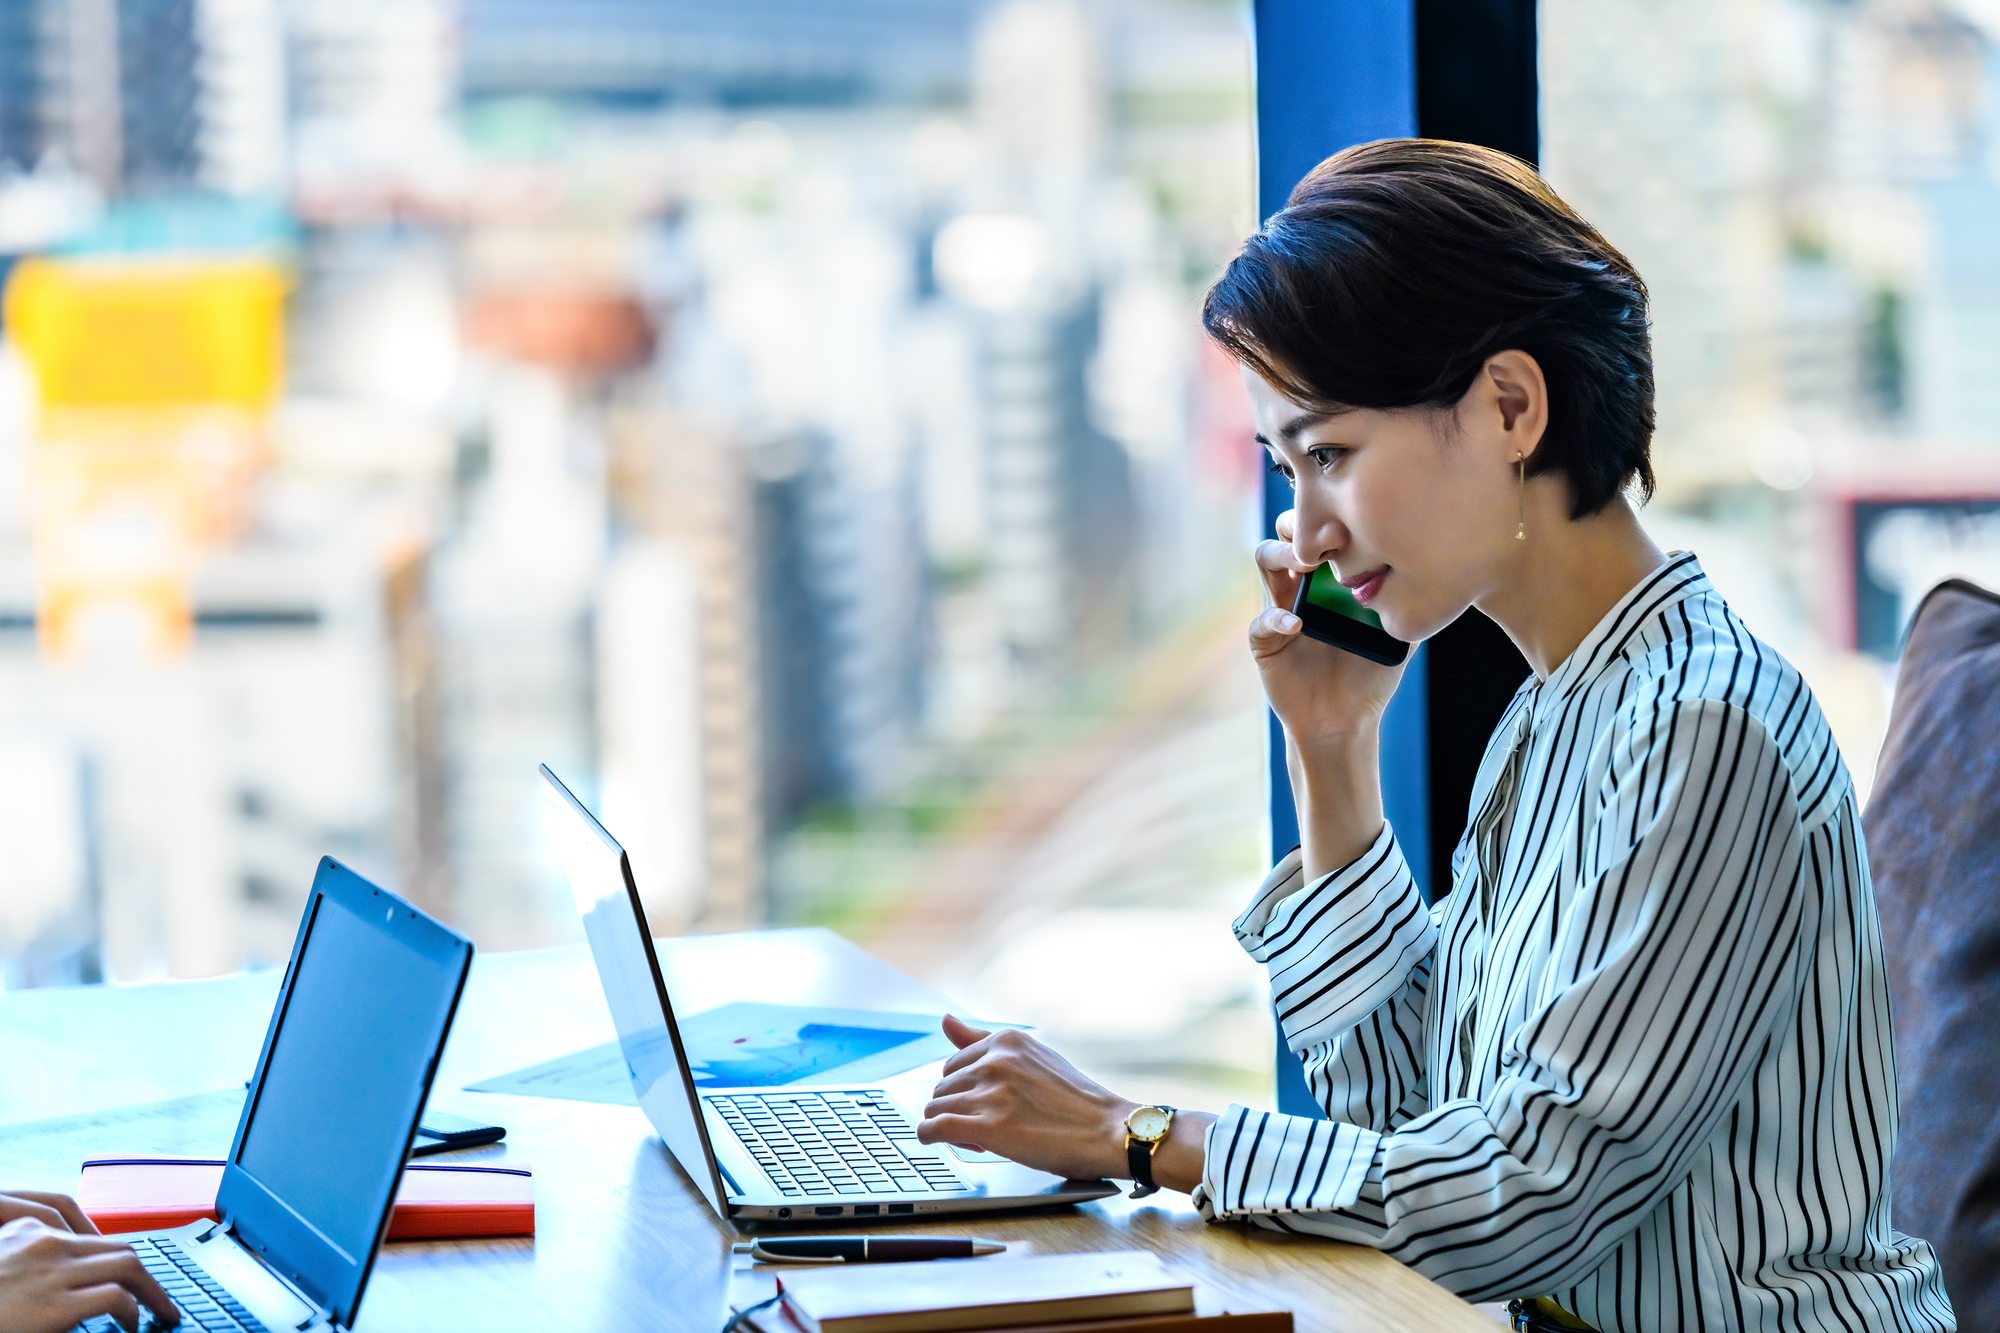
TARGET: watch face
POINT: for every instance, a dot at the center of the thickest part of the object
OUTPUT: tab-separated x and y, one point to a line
1148	1122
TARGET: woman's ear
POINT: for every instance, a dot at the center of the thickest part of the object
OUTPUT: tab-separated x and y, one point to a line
1519	396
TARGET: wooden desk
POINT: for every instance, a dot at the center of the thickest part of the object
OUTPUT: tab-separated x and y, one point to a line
624	1240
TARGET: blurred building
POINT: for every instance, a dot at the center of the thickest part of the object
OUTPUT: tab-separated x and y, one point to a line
1809	188
144	96
213	634
1804	184
733	408
158	93
372	90
760	53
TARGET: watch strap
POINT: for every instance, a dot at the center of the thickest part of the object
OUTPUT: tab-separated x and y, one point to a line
1139	1161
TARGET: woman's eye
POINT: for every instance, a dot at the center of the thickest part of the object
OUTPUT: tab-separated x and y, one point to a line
1283	471
1325	456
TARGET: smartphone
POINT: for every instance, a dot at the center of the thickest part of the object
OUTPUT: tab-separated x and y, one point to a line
440	1131
1331	615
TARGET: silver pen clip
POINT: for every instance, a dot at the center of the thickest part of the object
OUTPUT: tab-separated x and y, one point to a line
763	1255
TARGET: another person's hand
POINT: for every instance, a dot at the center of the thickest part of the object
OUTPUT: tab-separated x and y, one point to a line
1320	693
56	1271
55	1210
1007	1093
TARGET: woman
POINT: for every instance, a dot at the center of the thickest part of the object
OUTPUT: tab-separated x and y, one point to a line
1638	1063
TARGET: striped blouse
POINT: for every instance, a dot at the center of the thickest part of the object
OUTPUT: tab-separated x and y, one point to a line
1639	1060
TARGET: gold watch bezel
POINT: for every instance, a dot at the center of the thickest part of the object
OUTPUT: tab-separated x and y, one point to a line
1133	1134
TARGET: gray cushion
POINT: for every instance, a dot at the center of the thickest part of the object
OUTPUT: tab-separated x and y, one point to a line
1933	828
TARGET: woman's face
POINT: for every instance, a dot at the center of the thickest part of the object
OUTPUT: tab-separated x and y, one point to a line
1415	509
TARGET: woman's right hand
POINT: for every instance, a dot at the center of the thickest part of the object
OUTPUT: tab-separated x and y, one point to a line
1323	695
1330	702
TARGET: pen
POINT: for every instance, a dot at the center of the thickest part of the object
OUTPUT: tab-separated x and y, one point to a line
867	1249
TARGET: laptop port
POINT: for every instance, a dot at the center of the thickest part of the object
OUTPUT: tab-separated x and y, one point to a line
784	1212
897	1208
834	1211
867	1210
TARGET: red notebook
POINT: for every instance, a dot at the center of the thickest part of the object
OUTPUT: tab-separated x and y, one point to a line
437	1201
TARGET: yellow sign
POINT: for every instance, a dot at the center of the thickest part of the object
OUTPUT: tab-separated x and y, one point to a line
153	380
161	333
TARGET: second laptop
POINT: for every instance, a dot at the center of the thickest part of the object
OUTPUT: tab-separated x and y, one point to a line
785	1154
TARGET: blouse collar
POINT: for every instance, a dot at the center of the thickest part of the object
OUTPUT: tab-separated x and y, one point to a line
1679	578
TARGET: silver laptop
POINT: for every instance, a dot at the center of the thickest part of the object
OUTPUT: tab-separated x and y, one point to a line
799	1154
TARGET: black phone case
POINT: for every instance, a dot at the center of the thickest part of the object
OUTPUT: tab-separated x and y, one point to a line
1336	629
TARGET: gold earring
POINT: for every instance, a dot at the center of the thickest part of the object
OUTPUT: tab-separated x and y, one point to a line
1520	497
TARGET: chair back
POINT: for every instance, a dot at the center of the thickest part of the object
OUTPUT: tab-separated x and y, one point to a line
1933	832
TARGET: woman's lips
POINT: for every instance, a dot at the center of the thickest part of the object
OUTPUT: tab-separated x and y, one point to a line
1367	586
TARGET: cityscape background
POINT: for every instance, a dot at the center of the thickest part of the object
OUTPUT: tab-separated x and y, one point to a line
790	422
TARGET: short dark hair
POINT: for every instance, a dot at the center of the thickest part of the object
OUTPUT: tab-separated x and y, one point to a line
1398	267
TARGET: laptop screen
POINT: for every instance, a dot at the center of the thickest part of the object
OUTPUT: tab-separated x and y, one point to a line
347	1066
615	924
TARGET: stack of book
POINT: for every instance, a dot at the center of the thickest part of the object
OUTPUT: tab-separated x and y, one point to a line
1123	1291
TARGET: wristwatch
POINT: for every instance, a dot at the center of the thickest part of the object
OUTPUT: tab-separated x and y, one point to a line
1145	1130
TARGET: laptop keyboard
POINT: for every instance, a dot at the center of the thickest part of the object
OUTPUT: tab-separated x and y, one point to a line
205	1304
833	1143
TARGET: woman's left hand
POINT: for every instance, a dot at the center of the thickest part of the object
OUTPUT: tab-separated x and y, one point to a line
1007	1093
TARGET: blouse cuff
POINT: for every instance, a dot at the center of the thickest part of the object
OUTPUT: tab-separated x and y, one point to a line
1341	948
1260	1162
1279	900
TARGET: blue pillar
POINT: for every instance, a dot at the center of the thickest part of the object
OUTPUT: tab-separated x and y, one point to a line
1331	73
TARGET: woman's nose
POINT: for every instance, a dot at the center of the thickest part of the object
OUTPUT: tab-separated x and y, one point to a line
1316	538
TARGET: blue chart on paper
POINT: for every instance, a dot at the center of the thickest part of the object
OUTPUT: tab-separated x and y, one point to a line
744	1045
820	1048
